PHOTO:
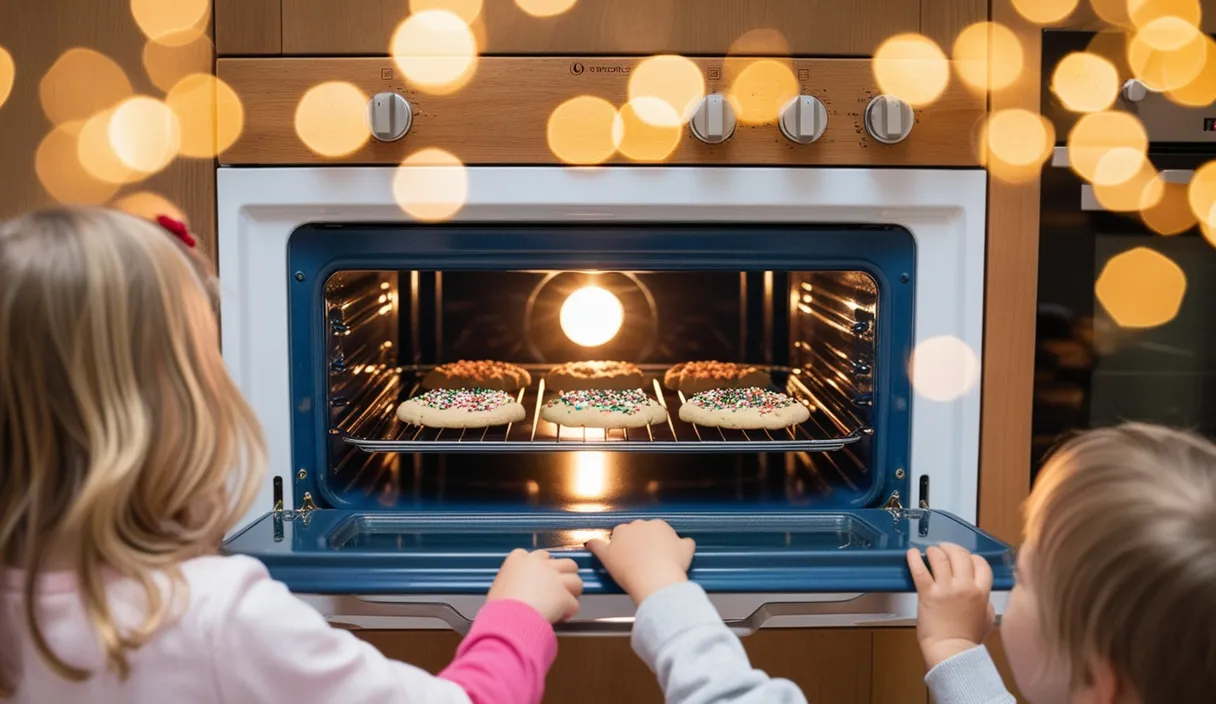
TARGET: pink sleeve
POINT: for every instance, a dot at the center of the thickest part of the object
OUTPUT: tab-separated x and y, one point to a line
506	655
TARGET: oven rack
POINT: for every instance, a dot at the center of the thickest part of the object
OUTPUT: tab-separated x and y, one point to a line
378	430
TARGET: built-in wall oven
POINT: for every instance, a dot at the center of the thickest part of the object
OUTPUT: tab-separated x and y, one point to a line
1126	276
859	289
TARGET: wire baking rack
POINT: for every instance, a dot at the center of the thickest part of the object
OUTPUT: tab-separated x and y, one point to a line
377	429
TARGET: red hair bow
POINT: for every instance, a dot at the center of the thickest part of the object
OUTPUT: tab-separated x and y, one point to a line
177	229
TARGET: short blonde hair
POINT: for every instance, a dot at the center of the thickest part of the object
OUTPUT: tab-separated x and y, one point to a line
1122	524
122	438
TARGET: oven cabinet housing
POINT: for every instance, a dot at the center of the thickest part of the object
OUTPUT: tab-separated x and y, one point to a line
336	306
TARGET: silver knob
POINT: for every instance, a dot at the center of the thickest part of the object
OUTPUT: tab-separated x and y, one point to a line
390	116
713	122
1134	90
888	119
804	119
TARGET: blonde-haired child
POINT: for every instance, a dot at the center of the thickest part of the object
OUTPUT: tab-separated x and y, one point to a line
126	454
1116	593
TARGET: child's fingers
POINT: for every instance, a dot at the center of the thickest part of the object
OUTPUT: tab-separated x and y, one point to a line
939	562
597	547
960	562
571	610
920	574
565	565
573	584
540	554
690	545
983	573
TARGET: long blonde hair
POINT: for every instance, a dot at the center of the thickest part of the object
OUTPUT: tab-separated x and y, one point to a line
124	444
1122	527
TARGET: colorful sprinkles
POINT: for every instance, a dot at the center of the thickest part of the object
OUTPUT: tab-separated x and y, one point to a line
471	400
628	402
749	398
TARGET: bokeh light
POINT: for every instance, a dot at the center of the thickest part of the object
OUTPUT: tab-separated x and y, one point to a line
431	185
61	174
1143	12
331	119
911	67
584	130
665	90
1141	288
1200	92
8	73
591	316
1201	194
760	42
544	8
171	22
80	84
987	56
944	368
1171	214
1167	53
149	206
1014	143
761	89
1045	11
1113	12
210	114
145	134
166	65
645	138
96	152
1085	82
435	51
1099	134
467	10
1142	190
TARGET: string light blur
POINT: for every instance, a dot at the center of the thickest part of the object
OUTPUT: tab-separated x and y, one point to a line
171	22
8	73
145	134
591	316
431	185
166	65
1141	288
544	8
648	140
1171	214
911	67
331	119
1113	12
436	51
80	84
664	90
61	174
148	205
1143	190
1014	143
96	152
761	89
1201	194
1200	92
1045	11
1085	82
944	368
1167	53
987	56
467	10
584	130
210	114
1141	13
1107	147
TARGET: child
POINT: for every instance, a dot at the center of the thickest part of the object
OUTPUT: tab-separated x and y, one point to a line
126	453
1116	593
677	632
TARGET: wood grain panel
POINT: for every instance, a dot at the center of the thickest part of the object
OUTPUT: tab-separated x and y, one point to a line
899	670
248	27
501	116
810	27
942	20
37	34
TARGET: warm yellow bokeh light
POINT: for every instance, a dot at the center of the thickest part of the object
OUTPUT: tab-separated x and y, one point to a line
544	8
149	206
987	56
760	42
166	65
1200	92
97	155
649	139
61	174
584	130
435	51
944	368
331	119
590	479
1168	53
591	316
1096	135
1141	288
1085	82
467	10
1014	143
8	73
911	67
1143	12
145	134
1209	232
431	185
210	113
1201	194
666	81
1171	215
80	84
171	22
1113	12
760	91
1045	11
1143	190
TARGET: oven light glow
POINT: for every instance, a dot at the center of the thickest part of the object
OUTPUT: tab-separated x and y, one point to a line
591	316
590	475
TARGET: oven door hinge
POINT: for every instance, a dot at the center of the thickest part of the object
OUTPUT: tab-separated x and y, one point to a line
307	505
893	505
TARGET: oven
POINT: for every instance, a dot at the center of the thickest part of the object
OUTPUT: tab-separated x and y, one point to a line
848	269
1122	329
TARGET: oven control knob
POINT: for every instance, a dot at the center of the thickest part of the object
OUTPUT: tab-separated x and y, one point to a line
1134	91
390	116
888	119
804	119
713	122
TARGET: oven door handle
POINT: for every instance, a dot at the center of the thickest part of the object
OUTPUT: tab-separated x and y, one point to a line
1090	203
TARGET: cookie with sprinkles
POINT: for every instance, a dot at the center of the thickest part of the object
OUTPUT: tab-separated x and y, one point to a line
573	376
603	408
695	377
477	374
461	408
749	408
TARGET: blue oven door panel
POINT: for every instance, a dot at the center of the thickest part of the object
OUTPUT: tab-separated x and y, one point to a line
330	551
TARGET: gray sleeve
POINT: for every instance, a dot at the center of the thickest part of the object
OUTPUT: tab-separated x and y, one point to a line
682	639
968	678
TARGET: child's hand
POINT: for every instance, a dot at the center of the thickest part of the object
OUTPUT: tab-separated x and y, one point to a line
953	612
644	556
552	587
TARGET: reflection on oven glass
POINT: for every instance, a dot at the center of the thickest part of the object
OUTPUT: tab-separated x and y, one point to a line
590	478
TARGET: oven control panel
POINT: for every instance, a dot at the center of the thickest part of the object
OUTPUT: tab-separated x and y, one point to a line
587	111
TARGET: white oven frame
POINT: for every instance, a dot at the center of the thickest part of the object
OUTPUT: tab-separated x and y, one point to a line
945	210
